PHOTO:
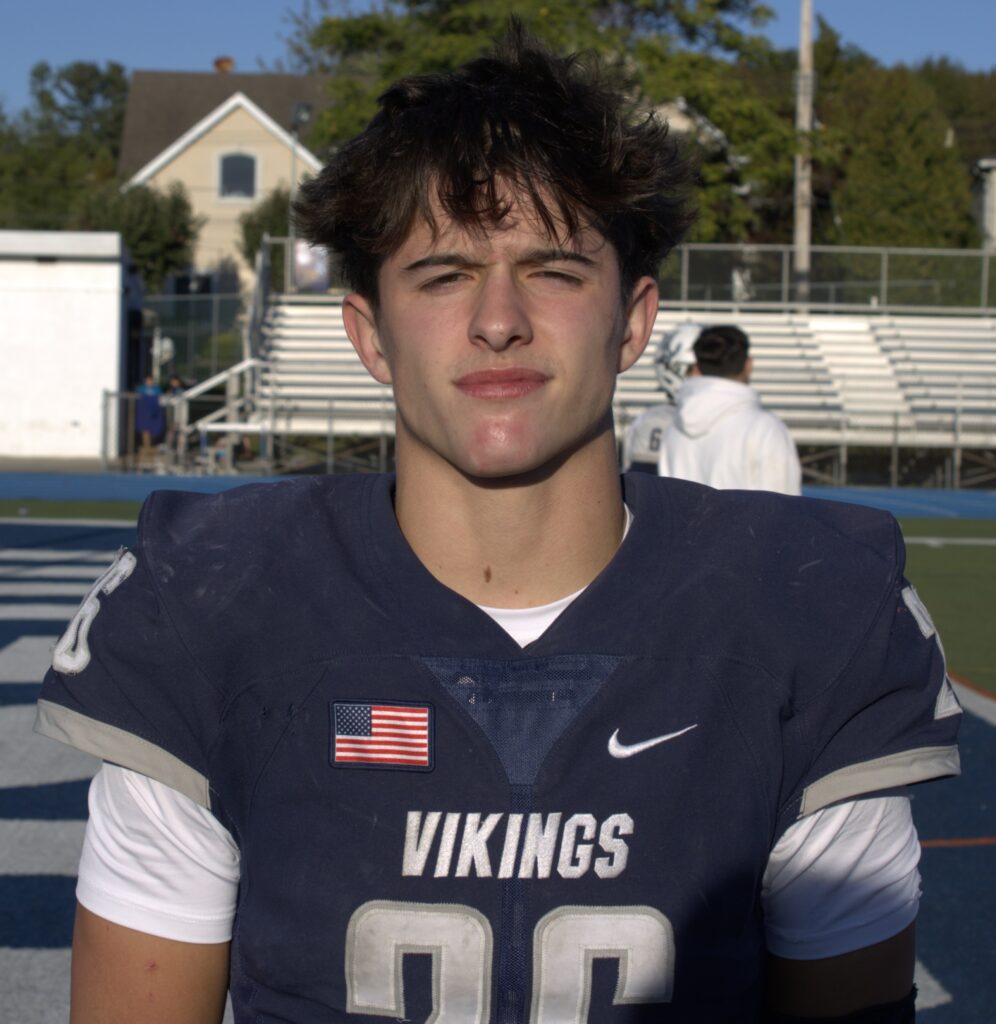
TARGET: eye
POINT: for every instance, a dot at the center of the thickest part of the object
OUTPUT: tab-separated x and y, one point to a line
558	276
441	281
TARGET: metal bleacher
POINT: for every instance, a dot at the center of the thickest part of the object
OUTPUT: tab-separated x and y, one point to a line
875	380
311	381
946	368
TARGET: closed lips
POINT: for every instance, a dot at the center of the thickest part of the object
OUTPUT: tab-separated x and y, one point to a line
506	383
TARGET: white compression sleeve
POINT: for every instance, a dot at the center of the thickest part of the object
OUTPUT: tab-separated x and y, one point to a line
155	861
841	879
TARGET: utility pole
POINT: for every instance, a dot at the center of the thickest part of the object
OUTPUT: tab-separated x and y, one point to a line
803	160
300	116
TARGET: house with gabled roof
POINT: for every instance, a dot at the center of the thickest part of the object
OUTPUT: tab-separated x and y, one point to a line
228	138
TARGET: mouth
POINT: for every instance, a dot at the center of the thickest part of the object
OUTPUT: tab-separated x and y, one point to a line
512	382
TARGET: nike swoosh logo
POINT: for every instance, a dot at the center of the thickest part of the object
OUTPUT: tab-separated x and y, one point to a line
617	749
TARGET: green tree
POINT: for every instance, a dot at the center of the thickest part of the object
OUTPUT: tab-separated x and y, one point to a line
82	101
967	99
884	169
41	176
64	145
268	217
159	228
743	142
901	182
366	52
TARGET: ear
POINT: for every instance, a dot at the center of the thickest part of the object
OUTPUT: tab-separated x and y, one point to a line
361	326
641	312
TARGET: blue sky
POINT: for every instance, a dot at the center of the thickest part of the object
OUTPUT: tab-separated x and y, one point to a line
187	35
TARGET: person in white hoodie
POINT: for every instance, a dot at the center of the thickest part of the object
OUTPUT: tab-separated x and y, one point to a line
721	435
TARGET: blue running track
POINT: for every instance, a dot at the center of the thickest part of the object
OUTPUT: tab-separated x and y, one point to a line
902	501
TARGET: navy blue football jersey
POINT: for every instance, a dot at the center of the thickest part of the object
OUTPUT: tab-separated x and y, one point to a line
436	824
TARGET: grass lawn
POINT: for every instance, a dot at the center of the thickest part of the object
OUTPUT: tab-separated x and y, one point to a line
30	509
958	585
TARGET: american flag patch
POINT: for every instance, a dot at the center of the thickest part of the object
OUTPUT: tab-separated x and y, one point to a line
382	735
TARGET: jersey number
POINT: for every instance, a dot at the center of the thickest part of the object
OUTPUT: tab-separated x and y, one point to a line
72	652
459	940
654	441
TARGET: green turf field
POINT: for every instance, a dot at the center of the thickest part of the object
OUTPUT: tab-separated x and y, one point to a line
957	582
958	585
30	509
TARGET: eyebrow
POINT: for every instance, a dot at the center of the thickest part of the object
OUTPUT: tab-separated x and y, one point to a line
533	256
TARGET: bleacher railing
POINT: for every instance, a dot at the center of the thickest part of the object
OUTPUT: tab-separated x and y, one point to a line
204	331
738	279
842	279
252	332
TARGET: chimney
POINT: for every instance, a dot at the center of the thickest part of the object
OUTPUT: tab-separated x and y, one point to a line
223	65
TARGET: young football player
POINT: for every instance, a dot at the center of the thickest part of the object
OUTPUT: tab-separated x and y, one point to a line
500	737
673	359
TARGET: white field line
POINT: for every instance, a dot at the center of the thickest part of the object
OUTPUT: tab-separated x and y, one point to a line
930	992
30	847
28	759
102	556
949	542
978	703
26	659
33	589
49	572
35	985
38	612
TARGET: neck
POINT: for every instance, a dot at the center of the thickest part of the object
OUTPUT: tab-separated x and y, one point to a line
514	543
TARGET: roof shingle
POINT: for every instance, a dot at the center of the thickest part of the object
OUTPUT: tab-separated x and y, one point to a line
162	105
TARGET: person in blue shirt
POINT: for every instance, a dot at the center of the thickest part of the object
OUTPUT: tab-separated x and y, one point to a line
150	419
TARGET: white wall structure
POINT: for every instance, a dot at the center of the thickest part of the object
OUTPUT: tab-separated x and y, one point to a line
64	298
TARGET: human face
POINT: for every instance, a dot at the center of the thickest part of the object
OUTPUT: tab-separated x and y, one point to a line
502	348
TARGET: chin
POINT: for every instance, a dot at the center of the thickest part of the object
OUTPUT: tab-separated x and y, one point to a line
502	463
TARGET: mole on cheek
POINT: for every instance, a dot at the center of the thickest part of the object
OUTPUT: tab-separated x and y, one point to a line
487	574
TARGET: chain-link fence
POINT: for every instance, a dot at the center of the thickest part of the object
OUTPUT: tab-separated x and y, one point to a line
198	334
840	279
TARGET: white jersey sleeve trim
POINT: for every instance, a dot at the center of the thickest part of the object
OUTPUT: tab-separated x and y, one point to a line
841	879
156	861
889	772
122	747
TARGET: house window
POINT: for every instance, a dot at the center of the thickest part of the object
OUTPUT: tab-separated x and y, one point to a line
238	176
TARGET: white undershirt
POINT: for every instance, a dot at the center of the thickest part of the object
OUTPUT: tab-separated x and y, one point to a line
840	879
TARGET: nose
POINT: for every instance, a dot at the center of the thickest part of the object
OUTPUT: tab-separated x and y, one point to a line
500	319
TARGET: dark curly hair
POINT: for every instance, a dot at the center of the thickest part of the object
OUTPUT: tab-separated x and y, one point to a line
721	351
518	124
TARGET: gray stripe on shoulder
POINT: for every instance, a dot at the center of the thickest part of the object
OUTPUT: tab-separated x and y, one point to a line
120	747
889	772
